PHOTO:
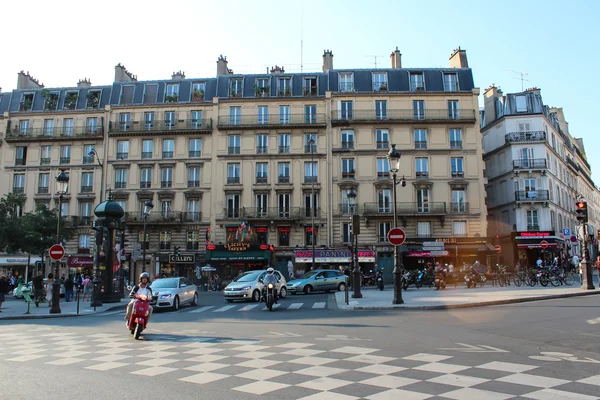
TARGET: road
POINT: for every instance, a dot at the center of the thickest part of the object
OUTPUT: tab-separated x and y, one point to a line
541	350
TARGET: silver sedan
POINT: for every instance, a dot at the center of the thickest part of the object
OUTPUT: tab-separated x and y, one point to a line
173	292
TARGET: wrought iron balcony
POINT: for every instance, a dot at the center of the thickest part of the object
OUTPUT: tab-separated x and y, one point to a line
458	174
232	213
166	184
122	156
161	126
145	184
20	161
270	121
310	148
459	208
532	195
456	144
420	144
65	160
157	217
283	179
88	160
42	189
533	228
18	190
383	144
528	136
233	180
405	208
383	175
146	155
347	145
348	209
307	212
233	150
44	160
82	220
120	185
530	163
262	179
261	149
192	216
272	212
167	154
284	149
310	179
193	184
341	117
57	132
87	189
194	154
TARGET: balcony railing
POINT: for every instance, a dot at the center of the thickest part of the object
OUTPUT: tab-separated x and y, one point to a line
528	136
232	213
42	189
192	216
167	154
458	174
166	184
422	174
405	208
275	120
54	132
310	179
194	154
383	145
533	228
145	184
88	160
530	163
18	190
348	145
310	148
459	208
383	175
456	144
283	179
272	212
20	161
233	180
122	156
307	212
65	160
154	217
87	189
284	149
261	149
532	195
83	220
348	209
262	179
193	184
344	116
146	155
44	160
120	185
171	125
421	144
233	150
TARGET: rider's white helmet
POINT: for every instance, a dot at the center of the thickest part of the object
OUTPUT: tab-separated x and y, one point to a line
270	270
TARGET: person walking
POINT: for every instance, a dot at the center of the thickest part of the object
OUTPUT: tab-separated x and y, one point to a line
87	288
49	282
38	288
4	288
69	288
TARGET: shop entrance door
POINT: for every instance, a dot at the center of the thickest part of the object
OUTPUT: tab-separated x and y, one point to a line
281	265
385	261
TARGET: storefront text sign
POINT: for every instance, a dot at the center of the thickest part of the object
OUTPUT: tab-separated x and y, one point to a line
80	262
182	259
334	256
237	246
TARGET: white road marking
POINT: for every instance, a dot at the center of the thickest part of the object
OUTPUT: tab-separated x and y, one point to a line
295	306
319	304
225	308
593	321
248	307
469	348
275	306
202	309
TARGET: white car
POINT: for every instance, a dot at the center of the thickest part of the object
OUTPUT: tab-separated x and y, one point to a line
173	292
248	286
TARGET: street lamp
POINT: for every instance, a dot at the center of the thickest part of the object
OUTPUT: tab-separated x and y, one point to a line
62	185
311	143
99	229
148	206
355	231
393	157
93	153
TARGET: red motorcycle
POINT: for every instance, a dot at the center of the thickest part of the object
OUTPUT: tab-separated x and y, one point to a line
139	315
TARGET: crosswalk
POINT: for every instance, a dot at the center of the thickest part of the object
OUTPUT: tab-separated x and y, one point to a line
254	306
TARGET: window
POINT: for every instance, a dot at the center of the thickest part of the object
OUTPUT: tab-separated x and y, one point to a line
262	87
46	154
283	205
262	205
19	183
347	232
455	138
87	158
196	119
122	149
233	173
165	240
284	143
383	168
311	203
120	178
416	82
420	138
284	114
65	154
309	236
91	126
459	204
168	148
456	164
450	83
310	148
148	120
263	115
43	183
198	90
86	208
346	82
262	172
193	240
234	144
310	114
285	86
382	230
145	178
532	220
235	89
124	119
165	208
172	92
423	200
382	138
381	109
27	102
348	168
453	109
65	208
195	148
384	201
345	109
347	139
283	233
48	127
380	81
346	206
166	177
521	103
170	119
283	169
68	126
233	206
193	177
21	156
310	172
87	182
262	143
418	109
235	115
424	229
459	228
193	210
84	242
310	86
24	127
422	166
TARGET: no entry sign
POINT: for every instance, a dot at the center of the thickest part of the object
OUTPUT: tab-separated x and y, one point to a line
56	252
396	236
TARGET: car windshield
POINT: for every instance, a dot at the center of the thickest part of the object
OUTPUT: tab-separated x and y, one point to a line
248	276
309	274
164	283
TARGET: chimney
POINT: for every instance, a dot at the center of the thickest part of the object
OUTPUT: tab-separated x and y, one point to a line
277	70
85	82
327	60
179	75
222	66
458	59
122	75
396	58
489	103
26	81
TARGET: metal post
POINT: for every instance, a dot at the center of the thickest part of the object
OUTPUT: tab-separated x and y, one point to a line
587	279
397	267
144	244
109	295
311	142
56	284
356	273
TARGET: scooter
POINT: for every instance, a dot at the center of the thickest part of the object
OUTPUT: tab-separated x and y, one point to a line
407	279
440	282
379	281
424	278
139	315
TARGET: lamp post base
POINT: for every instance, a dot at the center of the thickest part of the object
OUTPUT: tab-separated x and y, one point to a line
96	301
55	309
397	287
587	280
356	294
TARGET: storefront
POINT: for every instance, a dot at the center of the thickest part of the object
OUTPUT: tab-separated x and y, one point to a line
182	265
11	265
532	245
80	265
332	259
231	258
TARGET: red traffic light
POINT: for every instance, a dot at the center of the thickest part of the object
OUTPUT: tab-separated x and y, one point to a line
580	204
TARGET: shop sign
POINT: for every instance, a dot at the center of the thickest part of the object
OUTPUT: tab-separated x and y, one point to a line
261	229
237	246
419	254
182	259
18	260
80	262
536	234
333	256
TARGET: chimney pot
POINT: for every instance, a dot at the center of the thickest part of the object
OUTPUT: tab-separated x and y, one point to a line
222	66
458	58
327	60
396	58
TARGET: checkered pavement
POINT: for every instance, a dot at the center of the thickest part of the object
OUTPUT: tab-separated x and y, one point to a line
286	369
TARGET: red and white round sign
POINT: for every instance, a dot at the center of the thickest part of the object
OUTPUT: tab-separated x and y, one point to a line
498	248
56	252
544	244
396	236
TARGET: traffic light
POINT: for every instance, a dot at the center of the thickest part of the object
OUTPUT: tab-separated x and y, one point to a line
356	224
582	212
176	250
207	235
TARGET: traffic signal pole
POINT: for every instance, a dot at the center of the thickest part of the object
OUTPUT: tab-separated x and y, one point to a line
587	282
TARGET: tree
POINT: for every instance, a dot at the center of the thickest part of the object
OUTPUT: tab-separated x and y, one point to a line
39	230
10	222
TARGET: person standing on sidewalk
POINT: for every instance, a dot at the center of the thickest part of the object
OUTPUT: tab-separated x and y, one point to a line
49	283
69	288
38	288
3	290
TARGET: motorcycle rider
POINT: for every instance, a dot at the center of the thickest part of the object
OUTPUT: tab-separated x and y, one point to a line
270	277
142	288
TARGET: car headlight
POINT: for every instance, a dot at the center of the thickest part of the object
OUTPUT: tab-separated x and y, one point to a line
247	288
165	296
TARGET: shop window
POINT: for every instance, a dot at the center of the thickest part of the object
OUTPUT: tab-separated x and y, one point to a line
308	235
165	240
283	233
262	235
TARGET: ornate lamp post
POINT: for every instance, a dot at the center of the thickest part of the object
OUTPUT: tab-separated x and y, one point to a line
311	143
356	294
148	206
62	186
93	153
99	234
393	157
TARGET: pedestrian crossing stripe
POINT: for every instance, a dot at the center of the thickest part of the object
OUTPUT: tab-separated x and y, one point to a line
202	309
248	307
319	304
275	306
223	309
295	306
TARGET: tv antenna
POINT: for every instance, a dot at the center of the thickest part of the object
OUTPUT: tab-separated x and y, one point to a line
375	58
522	78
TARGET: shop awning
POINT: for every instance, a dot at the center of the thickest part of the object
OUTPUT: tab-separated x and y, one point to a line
238	252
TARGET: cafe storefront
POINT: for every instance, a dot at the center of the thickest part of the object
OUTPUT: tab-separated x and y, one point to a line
182	265
532	245
80	265
231	258
332	259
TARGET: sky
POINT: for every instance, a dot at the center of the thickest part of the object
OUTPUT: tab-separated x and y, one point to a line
556	43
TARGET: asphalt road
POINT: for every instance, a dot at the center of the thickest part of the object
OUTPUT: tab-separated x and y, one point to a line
542	350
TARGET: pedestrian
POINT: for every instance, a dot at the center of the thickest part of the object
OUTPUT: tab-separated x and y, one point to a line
216	283
49	282
38	288
12	282
69	288
87	288
3	290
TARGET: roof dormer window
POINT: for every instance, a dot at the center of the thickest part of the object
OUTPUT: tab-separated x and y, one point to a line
285	86
450	82
50	100
521	103
235	89
71	100
416	82
346	82
380	81
172	94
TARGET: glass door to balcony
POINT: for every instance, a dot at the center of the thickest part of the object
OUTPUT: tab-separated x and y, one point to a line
284	205
384	201
423	200
526	158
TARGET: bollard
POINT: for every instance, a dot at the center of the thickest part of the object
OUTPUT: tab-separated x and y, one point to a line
346	294
77	302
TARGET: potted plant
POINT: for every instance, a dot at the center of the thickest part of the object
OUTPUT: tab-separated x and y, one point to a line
383	87
171	99
93	99
198	95
71	101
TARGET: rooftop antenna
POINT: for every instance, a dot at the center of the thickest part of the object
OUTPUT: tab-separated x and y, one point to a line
522	78
375	58
302	41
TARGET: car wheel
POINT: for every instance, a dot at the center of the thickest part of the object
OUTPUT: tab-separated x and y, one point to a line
342	287
195	301
308	289
176	303
283	292
256	296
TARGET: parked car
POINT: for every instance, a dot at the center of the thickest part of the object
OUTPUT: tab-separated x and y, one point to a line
173	292
320	280
248	286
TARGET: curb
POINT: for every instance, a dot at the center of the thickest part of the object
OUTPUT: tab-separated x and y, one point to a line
58	316
471	305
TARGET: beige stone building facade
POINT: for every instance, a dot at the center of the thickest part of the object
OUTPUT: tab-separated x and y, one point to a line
242	169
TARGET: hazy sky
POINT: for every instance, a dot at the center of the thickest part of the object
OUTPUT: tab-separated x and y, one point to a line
555	42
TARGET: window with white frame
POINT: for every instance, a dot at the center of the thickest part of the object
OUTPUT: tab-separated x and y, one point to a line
416	82
233	206
234	146
24	127
348	168
380	109
382	230
346	205
383	168
453	109
196	119
120	178
172	90
263	115
168	148
262	143
459	228
84	241
347	139
384	201
166	177
283	205
310	172
308	148
147	148
235	115
122	149
170	119
455	138
284	143
310	114
145	178
456	166
345	109
262	172
235	89
262	204
148	120
532	220
283	170
285	86
424	229
233	173
380	81
49	127
195	148
284	115
420	138
382	138
419	109
521	103
450	82
193	176
423	200
422	166
459	203
346	82
65	154
19	183
347	232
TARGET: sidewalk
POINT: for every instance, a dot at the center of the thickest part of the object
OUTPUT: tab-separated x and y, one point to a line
13	309
459	297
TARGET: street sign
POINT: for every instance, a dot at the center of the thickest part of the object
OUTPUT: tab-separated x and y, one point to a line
544	244
498	248
56	252
182	259
433	244
573	239
567	232
438	253
396	236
